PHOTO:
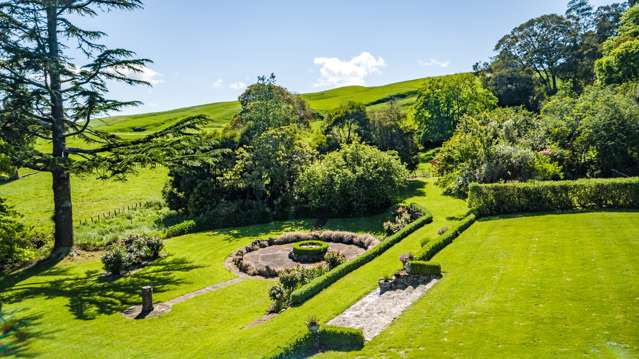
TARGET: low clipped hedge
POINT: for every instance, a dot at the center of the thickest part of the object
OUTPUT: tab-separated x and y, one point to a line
180	229
583	194
424	268
433	247
315	286
309	251
329	338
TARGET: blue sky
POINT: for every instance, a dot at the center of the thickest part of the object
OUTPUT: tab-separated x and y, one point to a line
207	51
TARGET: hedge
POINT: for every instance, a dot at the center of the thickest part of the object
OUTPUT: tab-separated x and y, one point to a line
424	268
433	247
583	194
330	338
310	251
315	286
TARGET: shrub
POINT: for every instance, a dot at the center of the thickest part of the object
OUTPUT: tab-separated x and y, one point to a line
307	291
116	260
356	180
493	199
442	230
18	244
290	280
334	259
424	268
402	216
180	229
309	251
424	241
329	338
432	248
130	253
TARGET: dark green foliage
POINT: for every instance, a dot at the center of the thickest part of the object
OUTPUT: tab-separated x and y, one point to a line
18	244
444	101
390	132
334	259
540	45
182	228
329	338
266	106
595	135
309	251
345	125
621	53
432	248
356	180
306	292
500	145
290	280
133	252
46	95
584	194
222	186
401	217
512	85
424	268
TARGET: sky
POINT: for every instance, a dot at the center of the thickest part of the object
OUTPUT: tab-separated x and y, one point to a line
208	51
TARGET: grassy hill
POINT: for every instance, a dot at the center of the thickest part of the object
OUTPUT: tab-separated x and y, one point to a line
32	196
222	112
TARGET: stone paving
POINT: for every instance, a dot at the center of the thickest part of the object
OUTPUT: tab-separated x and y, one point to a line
375	312
277	257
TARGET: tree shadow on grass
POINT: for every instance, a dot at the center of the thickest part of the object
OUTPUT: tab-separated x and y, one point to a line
91	294
17	330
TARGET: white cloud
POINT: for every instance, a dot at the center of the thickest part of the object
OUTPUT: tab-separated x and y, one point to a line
238	85
335	72
218	83
144	74
434	62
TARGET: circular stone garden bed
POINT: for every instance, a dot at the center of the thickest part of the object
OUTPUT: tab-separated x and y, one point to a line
269	257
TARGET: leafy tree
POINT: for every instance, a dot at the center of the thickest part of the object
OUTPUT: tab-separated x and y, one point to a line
46	94
345	125
18	244
391	133
621	53
607	19
442	103
512	85
491	147
265	105
540	45
580	12
358	179
595	135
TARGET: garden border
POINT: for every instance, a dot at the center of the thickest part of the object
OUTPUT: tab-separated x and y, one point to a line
318	284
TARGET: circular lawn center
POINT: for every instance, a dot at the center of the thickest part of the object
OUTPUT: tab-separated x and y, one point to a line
278	256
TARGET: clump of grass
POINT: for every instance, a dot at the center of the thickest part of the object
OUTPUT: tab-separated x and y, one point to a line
96	236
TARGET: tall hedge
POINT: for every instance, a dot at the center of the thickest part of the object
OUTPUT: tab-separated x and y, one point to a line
307	291
329	338
584	194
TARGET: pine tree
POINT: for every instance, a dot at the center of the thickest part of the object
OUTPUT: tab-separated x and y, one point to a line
45	94
581	13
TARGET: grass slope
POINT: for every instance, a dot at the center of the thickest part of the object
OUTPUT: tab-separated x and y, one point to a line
546	286
76	315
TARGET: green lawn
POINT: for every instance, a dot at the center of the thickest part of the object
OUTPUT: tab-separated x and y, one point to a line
547	286
76	315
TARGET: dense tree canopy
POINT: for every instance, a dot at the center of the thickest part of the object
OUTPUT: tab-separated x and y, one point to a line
442	103
358	179
621	61
390	132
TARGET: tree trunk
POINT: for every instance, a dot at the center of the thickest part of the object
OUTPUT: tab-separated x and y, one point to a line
62	217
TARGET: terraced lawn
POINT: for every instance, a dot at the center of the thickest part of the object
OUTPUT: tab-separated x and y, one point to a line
74	314
546	286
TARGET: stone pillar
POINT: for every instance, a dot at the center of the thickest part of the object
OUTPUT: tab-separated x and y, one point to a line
147	299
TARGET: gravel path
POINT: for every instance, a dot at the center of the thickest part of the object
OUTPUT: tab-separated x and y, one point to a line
375	312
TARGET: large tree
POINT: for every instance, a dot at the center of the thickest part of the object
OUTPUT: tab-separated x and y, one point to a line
540	45
621	52
54	79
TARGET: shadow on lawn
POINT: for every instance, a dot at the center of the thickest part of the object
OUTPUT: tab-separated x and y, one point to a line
17	329
90	295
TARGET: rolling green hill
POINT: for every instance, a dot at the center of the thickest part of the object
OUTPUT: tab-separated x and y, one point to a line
222	112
